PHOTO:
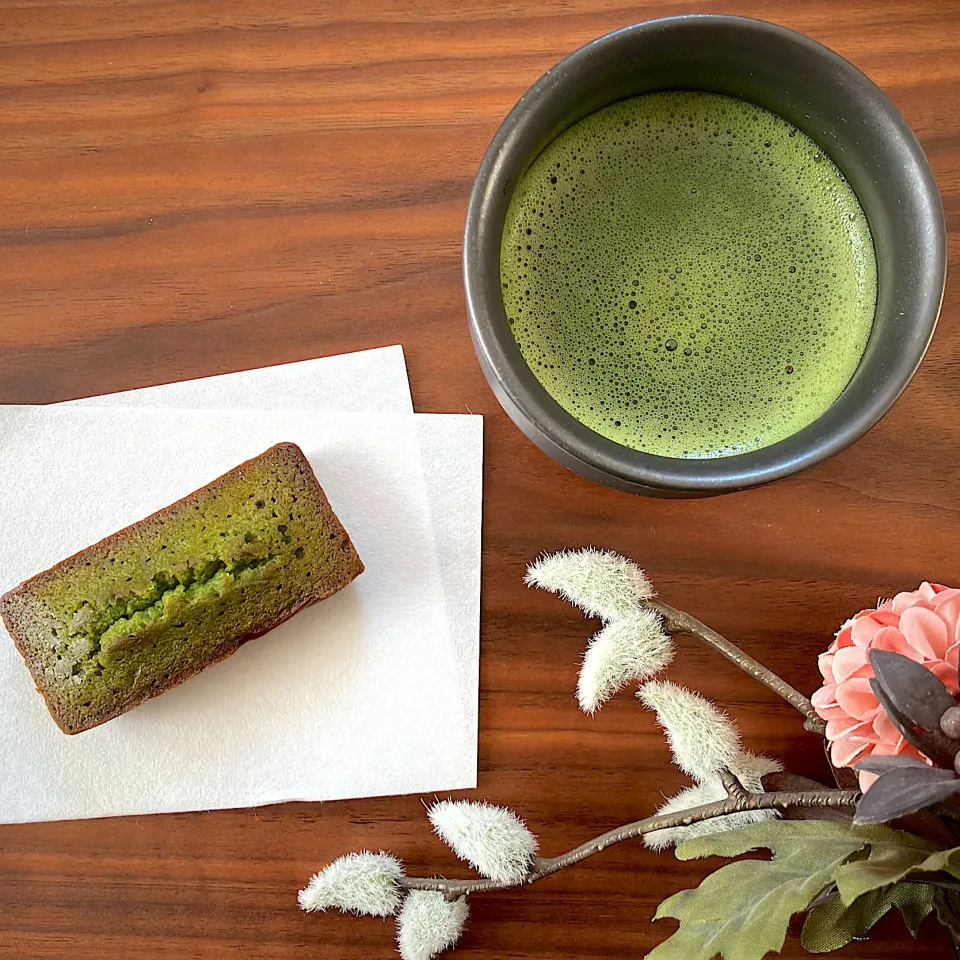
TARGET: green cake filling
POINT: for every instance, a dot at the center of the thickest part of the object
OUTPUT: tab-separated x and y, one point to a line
123	621
183	587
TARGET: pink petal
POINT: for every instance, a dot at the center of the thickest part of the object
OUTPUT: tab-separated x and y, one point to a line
844	638
856	697
938	587
925	631
903	601
946	674
825	696
843	753
862	733
944	594
952	655
909	750
831	713
847	662
906	600
890	638
899	749
949	611
927	591
864	630
841	727
825	663
884	729
885	616
867	780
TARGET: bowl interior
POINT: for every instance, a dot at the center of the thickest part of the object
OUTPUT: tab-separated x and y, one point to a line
806	84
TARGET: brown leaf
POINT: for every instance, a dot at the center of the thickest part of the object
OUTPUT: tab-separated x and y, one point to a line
947	903
902	792
926	824
916	692
789	781
934	744
881	765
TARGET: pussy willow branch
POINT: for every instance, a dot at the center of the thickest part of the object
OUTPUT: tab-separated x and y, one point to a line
541	867
735	789
738	799
677	622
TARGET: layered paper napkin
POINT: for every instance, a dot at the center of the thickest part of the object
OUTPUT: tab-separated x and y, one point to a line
371	692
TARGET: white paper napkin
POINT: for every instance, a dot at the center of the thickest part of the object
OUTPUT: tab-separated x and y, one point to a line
371	381
367	693
368	381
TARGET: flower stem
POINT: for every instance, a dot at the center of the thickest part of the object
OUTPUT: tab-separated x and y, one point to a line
676	622
544	867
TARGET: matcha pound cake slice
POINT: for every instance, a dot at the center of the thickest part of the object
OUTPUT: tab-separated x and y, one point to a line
157	602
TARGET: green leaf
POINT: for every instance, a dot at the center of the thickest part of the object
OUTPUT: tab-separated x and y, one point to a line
946	860
833	924
892	861
914	905
786	836
742	911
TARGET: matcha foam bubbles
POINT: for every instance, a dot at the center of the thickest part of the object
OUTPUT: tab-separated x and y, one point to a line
688	274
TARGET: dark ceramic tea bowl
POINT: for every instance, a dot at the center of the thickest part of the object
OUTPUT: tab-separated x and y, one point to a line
851	119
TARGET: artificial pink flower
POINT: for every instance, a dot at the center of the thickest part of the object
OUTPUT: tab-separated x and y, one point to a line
923	625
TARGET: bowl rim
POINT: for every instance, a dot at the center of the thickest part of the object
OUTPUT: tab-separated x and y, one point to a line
559	432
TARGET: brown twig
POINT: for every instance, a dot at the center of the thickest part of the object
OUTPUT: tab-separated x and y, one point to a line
677	622
544	867
735	789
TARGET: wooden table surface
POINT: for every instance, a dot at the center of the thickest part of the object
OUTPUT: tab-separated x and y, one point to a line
191	188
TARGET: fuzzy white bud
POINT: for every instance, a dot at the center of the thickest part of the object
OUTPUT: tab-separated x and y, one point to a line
632	647
363	883
751	768
704	741
429	924
493	839
601	583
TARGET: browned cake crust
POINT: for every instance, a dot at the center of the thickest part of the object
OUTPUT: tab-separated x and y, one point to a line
18	607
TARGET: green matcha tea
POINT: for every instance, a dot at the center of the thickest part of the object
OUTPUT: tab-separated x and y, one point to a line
688	274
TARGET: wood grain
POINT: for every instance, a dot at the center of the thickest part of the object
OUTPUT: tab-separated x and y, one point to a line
190	188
